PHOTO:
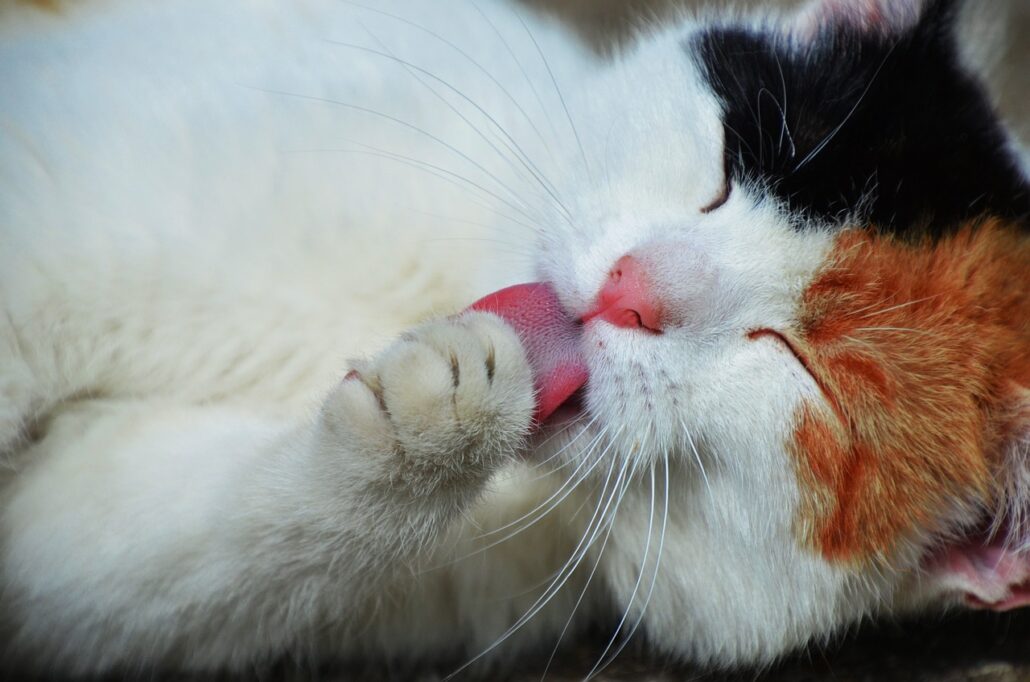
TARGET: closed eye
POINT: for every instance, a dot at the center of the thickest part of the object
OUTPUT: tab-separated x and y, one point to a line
727	188
724	195
802	360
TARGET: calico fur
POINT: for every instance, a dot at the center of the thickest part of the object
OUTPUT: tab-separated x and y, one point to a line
243	420
900	451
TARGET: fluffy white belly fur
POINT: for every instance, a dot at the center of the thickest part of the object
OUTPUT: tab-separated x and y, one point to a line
183	210
206	211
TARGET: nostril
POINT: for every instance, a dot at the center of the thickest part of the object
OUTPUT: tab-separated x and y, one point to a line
626	299
626	317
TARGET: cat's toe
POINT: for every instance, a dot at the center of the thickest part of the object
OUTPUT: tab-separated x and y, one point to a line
449	401
499	393
459	389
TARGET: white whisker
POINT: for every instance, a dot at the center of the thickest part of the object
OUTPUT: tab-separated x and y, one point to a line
700	465
567	445
480	550
590	576
571	480
636	586
893	307
441	173
557	90
654	576
593	529
461	52
412	68
783	111
833	133
924	332
521	68
515	150
410	126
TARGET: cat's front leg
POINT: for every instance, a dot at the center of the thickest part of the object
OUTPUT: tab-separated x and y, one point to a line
243	520
429	421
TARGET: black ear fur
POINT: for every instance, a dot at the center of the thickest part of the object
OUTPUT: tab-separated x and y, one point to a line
851	120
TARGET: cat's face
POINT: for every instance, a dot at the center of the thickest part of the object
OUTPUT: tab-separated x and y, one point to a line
819	234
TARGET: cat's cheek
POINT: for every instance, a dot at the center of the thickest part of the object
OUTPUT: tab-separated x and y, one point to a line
912	350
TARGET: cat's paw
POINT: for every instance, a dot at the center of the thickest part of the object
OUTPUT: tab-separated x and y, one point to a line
449	401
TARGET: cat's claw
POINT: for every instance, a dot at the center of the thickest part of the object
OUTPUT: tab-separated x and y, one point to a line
449	401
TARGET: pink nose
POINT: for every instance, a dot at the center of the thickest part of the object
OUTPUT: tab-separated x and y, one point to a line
626	299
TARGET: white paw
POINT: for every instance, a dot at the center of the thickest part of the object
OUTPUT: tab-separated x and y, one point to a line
450	400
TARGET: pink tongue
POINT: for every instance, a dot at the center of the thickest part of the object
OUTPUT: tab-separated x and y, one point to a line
550	337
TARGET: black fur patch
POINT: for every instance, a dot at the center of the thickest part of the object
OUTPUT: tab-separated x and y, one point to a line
889	125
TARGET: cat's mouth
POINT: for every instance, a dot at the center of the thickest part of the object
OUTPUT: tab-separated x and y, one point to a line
570	410
990	567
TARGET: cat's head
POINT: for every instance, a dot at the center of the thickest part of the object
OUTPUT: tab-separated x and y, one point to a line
801	252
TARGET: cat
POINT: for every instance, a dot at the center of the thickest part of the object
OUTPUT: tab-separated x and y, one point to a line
793	248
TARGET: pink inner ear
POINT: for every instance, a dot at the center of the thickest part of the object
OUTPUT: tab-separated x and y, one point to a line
862	13
881	16
988	575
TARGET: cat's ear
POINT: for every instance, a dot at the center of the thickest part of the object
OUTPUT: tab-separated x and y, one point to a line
876	16
991	570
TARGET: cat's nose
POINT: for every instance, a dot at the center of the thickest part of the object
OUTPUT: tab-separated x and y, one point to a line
627	299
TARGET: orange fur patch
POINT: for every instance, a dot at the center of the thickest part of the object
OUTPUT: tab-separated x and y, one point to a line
919	349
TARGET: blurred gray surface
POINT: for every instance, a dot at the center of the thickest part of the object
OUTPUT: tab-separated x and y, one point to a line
973	647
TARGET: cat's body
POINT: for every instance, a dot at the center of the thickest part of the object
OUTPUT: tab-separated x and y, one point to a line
206	209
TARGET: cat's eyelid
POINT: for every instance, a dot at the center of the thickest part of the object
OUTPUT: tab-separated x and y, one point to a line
724	195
